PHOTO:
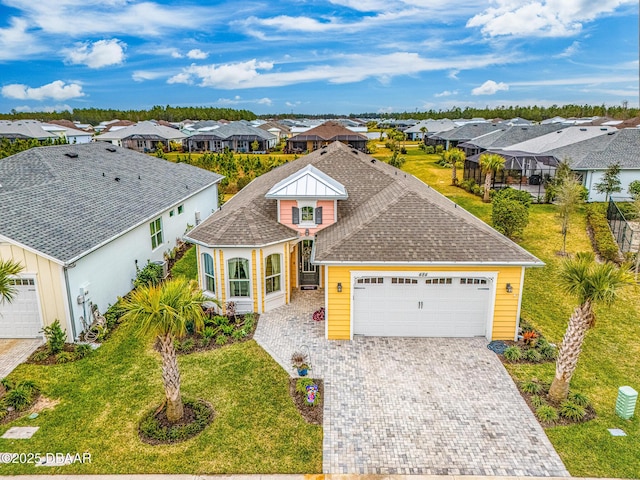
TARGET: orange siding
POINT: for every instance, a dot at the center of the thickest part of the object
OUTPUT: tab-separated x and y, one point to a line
505	313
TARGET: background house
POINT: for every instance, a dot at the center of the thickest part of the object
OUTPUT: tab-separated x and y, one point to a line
142	137
82	220
324	134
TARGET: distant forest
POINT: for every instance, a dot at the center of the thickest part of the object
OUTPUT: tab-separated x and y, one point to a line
177	114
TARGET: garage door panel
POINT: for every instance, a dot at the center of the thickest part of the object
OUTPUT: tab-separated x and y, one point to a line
419	307
21	317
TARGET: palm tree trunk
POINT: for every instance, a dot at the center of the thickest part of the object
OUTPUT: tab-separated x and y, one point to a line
579	323
171	379
487	187
454	174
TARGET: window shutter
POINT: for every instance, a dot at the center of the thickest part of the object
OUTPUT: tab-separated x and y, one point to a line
318	216
295	215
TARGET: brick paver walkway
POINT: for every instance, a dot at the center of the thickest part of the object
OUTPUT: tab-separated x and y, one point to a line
14	351
431	406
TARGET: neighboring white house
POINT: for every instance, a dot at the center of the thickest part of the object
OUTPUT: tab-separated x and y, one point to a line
81	219
71	135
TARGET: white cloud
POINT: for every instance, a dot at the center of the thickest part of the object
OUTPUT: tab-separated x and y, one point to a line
16	42
230	75
570	51
57	90
142	75
48	108
453	74
541	18
98	54
265	101
588	80
197	54
183	77
489	88
446	93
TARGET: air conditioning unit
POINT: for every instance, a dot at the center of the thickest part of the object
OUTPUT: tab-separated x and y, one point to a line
165	267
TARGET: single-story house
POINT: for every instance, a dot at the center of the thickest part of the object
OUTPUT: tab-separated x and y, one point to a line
394	257
142	137
451	138
25	130
325	134
236	136
81	219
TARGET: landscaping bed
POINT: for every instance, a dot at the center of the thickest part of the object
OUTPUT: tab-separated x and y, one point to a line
156	429
312	414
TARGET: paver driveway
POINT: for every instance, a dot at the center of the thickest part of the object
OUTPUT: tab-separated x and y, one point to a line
14	351
412	405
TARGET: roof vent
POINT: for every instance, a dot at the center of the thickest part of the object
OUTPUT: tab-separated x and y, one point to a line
71	154
355	151
324	146
611	133
604	129
111	149
323	152
583	129
117	179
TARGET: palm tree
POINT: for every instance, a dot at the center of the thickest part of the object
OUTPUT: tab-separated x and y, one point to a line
7	269
456	158
490	163
591	283
164	311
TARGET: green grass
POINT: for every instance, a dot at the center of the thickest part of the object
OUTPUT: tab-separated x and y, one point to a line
256	429
187	266
611	352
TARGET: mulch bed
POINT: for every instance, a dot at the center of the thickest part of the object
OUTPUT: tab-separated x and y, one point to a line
51	359
589	415
15	414
188	425
312	414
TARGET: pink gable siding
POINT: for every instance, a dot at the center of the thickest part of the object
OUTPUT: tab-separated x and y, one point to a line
328	215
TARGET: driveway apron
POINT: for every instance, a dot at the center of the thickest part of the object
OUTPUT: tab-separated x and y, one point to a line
14	351
431	406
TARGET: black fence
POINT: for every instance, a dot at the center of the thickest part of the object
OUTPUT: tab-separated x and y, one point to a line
621	226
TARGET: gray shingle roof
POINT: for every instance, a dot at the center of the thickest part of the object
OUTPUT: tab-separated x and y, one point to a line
143	129
468	131
390	216
64	207
622	147
25	129
511	135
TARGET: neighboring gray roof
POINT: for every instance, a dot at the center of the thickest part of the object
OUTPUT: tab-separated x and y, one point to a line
467	131
25	129
64	207
230	130
432	126
623	148
390	216
559	138
143	129
512	135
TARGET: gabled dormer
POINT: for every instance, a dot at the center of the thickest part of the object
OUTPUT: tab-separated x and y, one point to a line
308	200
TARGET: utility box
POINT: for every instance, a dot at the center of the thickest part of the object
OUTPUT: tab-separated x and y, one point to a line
626	403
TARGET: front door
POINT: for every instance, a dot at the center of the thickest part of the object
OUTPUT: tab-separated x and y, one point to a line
309	273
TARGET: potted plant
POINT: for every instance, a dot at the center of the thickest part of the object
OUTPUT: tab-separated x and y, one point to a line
300	362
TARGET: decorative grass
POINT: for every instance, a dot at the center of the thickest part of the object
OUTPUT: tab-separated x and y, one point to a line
257	428
611	352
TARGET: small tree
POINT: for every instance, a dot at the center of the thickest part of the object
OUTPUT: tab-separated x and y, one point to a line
591	282
510	212
490	163
569	196
255	145
456	158
634	189
610	181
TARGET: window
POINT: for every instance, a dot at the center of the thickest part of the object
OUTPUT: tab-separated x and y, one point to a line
438	281
409	281
238	277
172	213
156	233
272	273
371	280
307	214
209	273
180	209
473	281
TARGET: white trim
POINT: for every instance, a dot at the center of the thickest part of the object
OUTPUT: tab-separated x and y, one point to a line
492	275
307	203
429	264
228	279
32	250
515	334
326	302
217	247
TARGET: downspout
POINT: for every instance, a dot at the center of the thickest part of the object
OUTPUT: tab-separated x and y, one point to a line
73	320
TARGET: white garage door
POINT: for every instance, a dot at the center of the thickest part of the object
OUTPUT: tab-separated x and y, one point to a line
21	317
405	306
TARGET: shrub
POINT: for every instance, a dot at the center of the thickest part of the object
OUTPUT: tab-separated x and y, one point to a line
19	397
537	401
547	351
572	411
513	353
150	274
532	355
509	216
113	314
65	357
40	355
82	350
249	321
56	337
634	189
546	413
605	244
429	149
439	149
531	387
209	333
222	339
150	428
220	320
302	384
187	345
579	399
239	334
530	337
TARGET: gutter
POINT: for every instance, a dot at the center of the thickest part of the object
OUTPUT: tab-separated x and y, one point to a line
70	301
427	264
202	244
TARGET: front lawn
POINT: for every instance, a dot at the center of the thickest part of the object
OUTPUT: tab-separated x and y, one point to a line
611	354
256	429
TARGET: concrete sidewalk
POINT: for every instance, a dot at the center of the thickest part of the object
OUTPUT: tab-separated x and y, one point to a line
282	477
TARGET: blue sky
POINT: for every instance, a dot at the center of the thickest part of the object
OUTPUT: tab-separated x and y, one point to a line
339	56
